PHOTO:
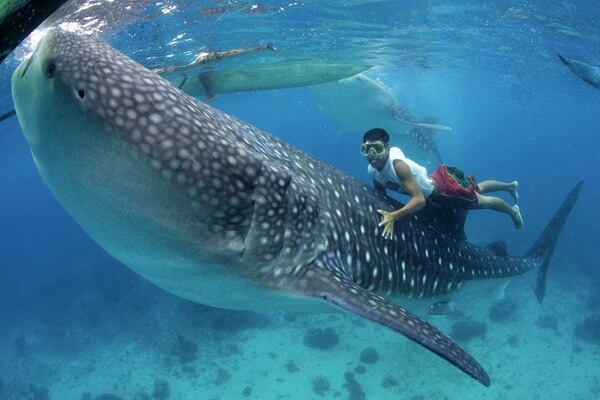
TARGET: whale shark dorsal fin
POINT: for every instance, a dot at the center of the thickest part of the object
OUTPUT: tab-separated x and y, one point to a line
338	290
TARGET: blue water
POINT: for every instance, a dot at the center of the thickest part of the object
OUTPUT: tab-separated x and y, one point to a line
486	68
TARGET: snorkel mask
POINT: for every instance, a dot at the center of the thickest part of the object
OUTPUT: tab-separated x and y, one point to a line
372	149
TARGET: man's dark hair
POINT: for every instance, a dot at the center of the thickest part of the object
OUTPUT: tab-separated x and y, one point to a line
376	134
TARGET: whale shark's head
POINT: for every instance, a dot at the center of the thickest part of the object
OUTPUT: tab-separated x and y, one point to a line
139	164
69	84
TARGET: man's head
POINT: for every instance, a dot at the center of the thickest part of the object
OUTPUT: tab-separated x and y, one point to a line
376	134
375	147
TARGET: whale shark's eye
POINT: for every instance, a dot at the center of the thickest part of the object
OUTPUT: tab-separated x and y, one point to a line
81	93
50	69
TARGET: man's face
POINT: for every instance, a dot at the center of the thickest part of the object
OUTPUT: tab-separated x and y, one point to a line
376	152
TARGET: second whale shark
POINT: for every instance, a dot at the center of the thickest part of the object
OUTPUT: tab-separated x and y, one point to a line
217	211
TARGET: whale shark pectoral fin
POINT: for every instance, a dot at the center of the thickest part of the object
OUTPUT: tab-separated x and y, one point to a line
338	290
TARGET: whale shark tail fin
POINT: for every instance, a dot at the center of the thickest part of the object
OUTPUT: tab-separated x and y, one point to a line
543	247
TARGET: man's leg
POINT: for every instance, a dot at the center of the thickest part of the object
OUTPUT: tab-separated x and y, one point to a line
496	186
497	204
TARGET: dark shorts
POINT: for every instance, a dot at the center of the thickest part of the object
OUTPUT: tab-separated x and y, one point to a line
454	188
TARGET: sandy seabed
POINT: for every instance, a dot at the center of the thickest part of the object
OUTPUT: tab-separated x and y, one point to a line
131	341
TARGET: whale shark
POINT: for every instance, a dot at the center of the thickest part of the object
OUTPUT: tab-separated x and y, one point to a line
586	72
214	210
368	103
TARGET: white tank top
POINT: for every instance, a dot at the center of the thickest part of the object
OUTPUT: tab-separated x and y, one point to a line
388	177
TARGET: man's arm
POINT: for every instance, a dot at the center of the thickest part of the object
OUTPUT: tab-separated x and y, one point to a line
416	202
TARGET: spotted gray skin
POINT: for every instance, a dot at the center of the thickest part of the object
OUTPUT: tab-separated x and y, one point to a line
216	211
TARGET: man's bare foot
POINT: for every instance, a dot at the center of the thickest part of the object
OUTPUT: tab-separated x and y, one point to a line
514	191
516	216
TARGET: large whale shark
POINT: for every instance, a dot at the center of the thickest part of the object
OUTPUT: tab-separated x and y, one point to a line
214	210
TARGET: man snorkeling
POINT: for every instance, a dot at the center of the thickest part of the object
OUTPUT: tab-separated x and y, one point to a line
447	186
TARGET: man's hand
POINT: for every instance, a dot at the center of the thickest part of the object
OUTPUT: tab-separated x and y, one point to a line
388	223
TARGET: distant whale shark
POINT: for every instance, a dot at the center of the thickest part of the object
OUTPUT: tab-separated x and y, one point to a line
214	210
360	102
588	73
